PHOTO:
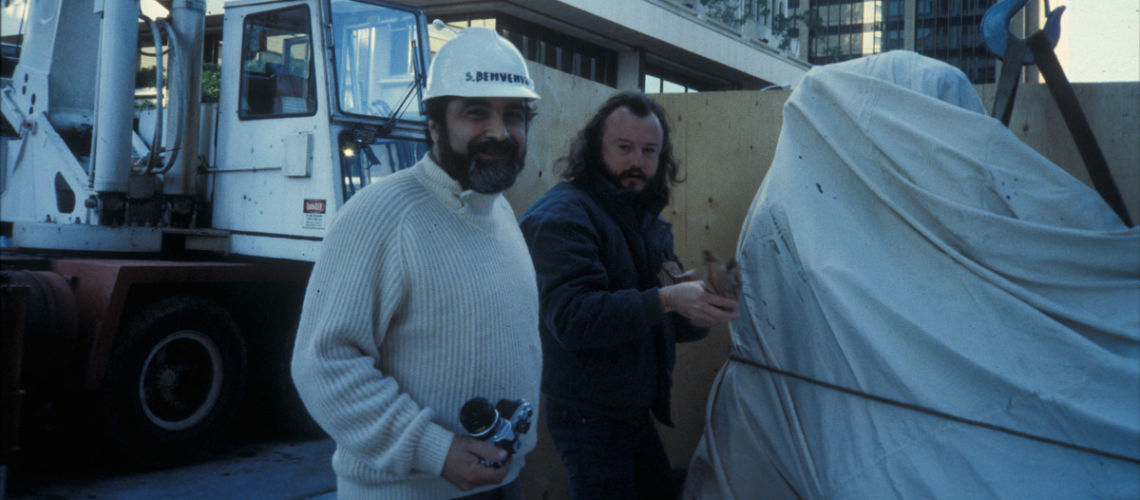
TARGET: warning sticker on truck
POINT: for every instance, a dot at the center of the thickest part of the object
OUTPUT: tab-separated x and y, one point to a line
314	214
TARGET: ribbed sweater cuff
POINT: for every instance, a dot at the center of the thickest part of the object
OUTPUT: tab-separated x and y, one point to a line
433	448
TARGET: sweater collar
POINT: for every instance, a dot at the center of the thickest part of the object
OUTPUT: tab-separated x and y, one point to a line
450	192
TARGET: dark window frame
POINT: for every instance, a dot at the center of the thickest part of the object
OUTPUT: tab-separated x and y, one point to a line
311	101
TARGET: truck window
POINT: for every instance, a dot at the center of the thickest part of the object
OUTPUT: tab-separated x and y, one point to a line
362	162
277	65
377	51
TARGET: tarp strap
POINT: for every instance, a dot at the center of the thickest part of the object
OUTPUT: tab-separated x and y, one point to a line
930	411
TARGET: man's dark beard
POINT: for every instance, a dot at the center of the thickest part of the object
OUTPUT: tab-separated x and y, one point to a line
493	176
650	193
482	176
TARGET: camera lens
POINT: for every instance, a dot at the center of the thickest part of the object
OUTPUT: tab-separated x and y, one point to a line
477	416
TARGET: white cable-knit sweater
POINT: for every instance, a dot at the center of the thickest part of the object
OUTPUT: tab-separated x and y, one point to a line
424	297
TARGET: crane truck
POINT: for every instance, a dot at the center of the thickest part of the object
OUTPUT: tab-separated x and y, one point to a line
158	255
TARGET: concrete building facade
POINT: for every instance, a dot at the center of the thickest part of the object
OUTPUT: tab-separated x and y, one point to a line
655	45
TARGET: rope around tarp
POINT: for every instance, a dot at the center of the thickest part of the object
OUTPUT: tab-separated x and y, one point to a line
930	411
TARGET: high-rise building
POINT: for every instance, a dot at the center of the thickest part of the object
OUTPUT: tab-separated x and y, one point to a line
948	30
839	30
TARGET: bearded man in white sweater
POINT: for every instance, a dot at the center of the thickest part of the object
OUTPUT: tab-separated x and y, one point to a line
424	296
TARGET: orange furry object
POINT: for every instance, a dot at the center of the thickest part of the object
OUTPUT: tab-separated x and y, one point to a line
721	278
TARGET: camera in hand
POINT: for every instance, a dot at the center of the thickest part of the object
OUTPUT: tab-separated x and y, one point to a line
501	425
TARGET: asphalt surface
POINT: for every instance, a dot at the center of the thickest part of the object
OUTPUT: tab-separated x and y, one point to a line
277	470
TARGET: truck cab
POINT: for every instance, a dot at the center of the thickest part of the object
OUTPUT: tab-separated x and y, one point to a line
159	257
309	113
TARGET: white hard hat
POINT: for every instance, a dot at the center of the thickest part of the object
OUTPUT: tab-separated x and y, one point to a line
479	63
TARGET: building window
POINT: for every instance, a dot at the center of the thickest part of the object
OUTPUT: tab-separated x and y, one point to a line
659	85
893	40
847	29
661	80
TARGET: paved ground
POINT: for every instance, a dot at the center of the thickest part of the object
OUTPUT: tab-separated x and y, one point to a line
281	470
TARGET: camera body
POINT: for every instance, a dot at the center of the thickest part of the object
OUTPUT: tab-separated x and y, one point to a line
501	425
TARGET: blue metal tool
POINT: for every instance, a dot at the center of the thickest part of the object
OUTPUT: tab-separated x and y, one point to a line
995	26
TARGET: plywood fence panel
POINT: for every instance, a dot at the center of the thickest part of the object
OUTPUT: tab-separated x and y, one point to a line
725	142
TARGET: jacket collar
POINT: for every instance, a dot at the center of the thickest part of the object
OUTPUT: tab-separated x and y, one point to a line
619	200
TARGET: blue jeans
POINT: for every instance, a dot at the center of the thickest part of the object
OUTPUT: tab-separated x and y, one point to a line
607	457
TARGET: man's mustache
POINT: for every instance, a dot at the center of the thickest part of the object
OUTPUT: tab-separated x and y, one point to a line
507	147
632	173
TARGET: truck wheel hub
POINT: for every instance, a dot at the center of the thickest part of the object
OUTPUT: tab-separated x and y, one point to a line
181	380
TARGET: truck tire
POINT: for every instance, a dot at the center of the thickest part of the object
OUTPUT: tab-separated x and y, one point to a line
174	380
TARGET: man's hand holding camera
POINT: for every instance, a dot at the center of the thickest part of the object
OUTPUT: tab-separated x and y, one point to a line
464	466
495	431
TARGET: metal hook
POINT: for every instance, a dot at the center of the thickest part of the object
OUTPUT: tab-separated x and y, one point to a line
995	26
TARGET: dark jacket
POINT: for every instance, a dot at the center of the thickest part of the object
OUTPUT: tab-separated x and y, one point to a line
607	346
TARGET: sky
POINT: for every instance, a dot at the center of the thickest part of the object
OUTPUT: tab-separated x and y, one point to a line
1100	39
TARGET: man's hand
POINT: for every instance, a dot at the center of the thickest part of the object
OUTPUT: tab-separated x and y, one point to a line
691	300
462	467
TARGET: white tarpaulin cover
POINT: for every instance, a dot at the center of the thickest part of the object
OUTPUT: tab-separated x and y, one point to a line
954	315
